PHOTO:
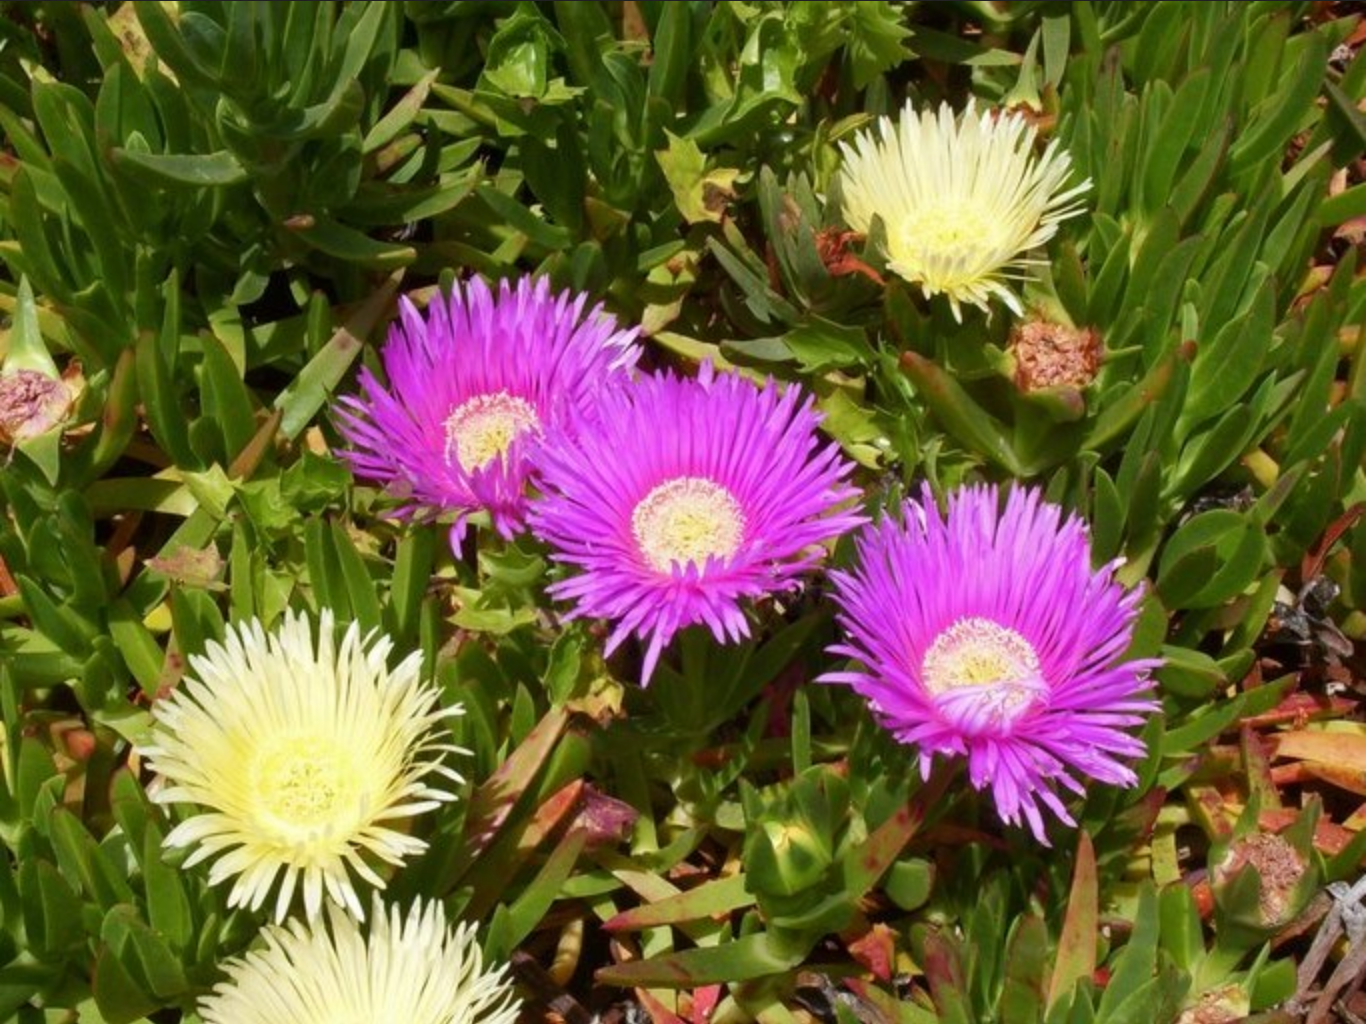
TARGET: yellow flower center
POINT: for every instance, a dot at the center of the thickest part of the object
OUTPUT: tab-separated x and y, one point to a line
983	655
945	243
687	519
482	428
305	781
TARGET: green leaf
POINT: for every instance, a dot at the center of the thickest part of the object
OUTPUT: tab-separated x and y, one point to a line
1280	115
821	345
866	862
412	574
754	956
525	914
58	623
168	905
1026	960
1226	366
518	55
1181	931
51	909
120	998
509	211
563	667
961	416
224	397
1188	673
140	651
1121	413
160	401
44	451
324	570
672	45
34	767
909	882
492	803
208	170
141	950
1134	965
360	588
400	115
707	900
81	859
1347	205
25	348
310	390
1345	110
346	243
170	45
1210	559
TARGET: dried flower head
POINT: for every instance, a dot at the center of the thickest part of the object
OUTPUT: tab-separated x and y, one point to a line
32	403
1052	355
1280	869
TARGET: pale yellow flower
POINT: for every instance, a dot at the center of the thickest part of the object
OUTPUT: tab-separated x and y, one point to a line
962	200
411	970
306	759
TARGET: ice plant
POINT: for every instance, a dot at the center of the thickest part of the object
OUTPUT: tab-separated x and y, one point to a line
472	389
305	758
986	634
685	498
962	200
409	968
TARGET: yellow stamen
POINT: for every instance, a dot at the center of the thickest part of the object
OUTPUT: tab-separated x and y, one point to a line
976	652
301	781
687	520
482	428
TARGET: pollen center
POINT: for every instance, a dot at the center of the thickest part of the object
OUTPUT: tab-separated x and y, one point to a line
981	657
687	519
304	781
482	428
943	242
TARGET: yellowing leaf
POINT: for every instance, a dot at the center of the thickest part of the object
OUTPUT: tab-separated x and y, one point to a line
1343	750
700	194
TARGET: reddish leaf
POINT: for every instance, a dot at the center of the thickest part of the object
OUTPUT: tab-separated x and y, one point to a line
1076	957
876	950
704	1002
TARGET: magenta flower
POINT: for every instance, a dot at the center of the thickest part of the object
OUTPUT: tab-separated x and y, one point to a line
473	389
686	497
987	635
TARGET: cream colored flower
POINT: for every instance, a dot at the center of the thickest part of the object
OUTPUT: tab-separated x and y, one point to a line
962	200
411	970
305	758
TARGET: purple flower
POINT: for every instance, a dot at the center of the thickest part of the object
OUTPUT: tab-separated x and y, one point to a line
685	497
473	389
987	635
